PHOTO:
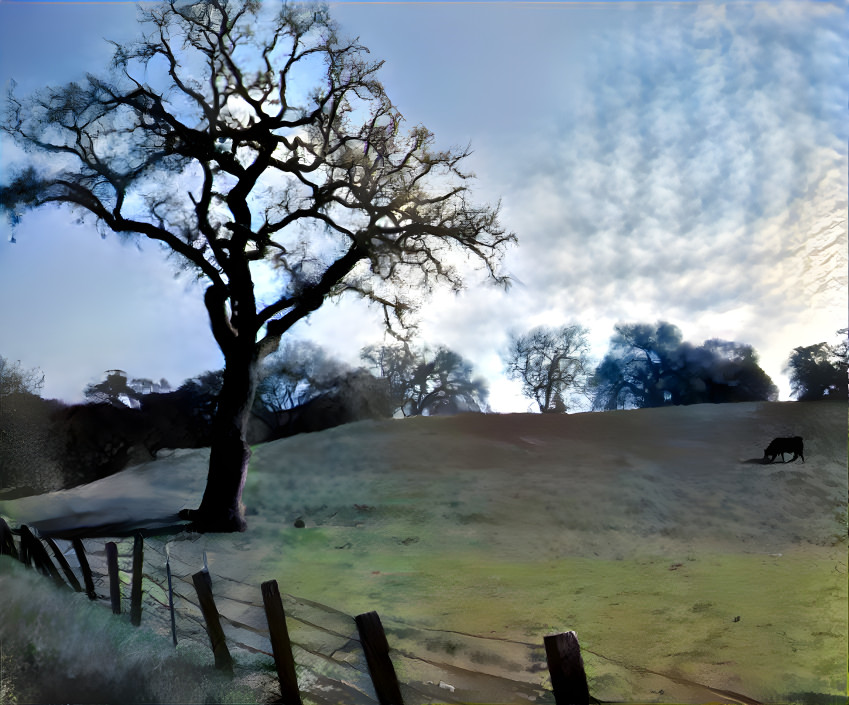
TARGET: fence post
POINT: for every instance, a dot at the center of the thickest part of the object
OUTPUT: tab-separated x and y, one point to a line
79	549
24	555
114	580
223	660
7	540
380	667
136	589
38	555
170	596
568	679
280	644
63	563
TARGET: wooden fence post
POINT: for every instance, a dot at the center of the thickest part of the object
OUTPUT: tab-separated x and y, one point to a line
568	679
223	660
136	588
38	555
24	555
170	596
7	540
63	563
280	644
114	579
380	667
79	549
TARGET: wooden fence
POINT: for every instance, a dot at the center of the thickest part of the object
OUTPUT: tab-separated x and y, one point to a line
344	664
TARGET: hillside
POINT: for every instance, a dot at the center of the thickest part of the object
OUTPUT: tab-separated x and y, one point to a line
657	534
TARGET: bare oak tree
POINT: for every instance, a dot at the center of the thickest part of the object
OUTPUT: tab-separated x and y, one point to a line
423	383
552	364
240	140
14	379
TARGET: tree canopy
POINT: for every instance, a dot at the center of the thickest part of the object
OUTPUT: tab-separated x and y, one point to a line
298	372
15	379
651	365
422	383
245	141
115	389
820	371
552	364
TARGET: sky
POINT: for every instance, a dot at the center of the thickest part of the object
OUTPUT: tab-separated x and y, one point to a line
677	161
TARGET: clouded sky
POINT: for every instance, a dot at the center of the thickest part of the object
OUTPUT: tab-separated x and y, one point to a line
657	160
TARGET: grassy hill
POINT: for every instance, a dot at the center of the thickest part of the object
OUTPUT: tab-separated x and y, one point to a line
658	535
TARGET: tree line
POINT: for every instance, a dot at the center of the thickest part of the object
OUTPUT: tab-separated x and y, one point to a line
650	365
47	444
302	388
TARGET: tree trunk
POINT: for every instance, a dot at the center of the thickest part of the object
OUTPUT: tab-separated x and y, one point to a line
221	508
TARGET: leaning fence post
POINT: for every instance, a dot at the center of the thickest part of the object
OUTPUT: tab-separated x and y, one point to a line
136	588
568	679
63	563
79	549
202	582
114	580
280	644
7	540
380	667
38	554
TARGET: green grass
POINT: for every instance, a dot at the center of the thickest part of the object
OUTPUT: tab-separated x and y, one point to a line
673	614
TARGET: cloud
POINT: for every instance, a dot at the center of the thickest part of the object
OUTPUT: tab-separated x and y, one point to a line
689	176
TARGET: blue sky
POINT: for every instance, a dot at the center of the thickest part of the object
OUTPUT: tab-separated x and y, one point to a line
675	161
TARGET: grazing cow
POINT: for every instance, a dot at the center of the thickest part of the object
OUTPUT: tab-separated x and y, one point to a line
785	445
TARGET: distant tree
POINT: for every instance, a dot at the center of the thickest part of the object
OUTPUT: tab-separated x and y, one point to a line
233	137
819	371
142	385
27	447
650	365
14	379
117	391
638	367
302	389
424	384
729	372
298	372
198	398
112	390
395	364
553	365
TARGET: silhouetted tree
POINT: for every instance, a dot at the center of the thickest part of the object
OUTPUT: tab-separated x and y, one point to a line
637	368
298	372
819	371
208	138
421	384
27	448
729	372
14	379
303	389
552	364
143	385
30	448
197	398
650	365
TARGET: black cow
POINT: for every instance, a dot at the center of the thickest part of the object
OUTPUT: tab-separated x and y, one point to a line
785	445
